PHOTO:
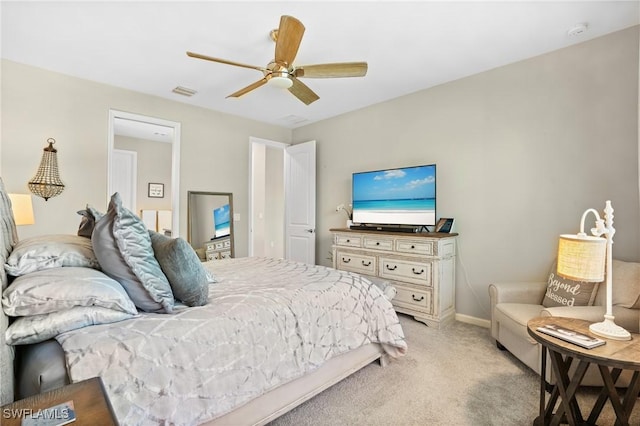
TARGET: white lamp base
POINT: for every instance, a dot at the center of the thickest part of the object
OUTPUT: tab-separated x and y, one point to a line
609	329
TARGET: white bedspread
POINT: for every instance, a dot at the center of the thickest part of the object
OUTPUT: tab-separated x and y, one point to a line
268	321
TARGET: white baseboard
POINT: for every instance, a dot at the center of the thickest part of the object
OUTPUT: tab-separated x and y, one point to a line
473	320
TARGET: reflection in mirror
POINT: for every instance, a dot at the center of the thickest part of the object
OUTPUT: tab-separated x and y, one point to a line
210	224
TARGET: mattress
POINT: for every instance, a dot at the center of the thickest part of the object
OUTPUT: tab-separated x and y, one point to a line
267	322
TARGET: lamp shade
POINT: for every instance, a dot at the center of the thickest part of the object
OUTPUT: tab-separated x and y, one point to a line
582	257
22	209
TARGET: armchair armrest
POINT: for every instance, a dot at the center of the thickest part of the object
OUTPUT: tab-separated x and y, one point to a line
517	292
514	292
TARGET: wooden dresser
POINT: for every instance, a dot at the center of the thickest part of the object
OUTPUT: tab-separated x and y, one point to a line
220	248
421	266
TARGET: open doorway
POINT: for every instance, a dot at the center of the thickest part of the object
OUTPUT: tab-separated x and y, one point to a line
130	132
267	203
282	200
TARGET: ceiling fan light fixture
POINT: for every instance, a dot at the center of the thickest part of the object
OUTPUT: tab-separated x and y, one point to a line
280	82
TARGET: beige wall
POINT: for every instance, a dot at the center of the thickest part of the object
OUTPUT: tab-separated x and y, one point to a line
37	104
522	151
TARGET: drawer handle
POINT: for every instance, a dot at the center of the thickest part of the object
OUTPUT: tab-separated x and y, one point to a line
417	273
348	240
391	269
412	246
346	260
377	243
366	264
415	299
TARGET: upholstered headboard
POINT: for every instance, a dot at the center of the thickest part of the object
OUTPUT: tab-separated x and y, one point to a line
8	240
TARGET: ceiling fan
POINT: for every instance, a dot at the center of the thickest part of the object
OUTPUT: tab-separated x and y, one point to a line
282	73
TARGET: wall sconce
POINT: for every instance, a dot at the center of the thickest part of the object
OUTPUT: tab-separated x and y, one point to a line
588	258
22	209
46	183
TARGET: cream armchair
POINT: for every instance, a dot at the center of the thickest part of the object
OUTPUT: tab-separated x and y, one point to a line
514	304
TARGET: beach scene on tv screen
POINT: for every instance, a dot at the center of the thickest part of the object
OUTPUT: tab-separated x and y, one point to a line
397	196
221	221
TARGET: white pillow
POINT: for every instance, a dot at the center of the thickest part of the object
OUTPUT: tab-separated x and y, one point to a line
50	251
58	289
38	328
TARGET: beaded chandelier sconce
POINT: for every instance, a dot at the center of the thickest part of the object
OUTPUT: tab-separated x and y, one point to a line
46	183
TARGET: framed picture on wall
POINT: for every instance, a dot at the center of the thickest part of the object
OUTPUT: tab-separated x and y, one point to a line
156	190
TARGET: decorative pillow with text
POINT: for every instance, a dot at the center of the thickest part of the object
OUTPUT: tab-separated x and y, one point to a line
565	292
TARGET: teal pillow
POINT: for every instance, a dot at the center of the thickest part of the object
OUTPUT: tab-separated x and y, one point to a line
183	268
122	245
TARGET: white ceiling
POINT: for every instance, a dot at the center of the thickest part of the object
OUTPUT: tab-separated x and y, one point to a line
409	46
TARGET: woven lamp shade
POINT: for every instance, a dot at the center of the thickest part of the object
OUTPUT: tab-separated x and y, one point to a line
582	258
46	183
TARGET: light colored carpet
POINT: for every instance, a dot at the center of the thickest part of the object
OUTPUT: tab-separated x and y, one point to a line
452	376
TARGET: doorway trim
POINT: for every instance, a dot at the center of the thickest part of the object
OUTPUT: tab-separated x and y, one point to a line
175	159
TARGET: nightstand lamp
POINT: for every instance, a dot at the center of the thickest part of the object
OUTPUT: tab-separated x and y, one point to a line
22	209
588	258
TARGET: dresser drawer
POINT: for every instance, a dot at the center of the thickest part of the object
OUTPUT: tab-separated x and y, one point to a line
348	241
411	298
407	271
360	263
416	247
215	245
378	243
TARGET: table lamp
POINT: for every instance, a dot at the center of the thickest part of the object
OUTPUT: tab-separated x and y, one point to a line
22	209
588	258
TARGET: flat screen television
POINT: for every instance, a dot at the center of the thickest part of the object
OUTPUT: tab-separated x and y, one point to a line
401	196
221	221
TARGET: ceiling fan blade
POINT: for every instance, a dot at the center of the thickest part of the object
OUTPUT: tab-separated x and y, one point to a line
302	92
337	70
249	88
289	37
224	61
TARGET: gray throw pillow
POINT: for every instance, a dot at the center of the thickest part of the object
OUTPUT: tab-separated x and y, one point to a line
182	266
122	245
89	218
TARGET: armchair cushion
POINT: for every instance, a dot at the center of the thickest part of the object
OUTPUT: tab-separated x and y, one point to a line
565	292
626	281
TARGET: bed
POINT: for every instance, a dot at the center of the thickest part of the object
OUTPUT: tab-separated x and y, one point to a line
271	334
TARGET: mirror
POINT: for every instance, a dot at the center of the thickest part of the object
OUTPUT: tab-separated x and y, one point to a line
210	224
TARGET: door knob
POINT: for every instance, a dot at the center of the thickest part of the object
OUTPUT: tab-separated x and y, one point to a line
311	231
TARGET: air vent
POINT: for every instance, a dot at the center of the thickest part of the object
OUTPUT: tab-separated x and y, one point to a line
578	30
293	119
184	91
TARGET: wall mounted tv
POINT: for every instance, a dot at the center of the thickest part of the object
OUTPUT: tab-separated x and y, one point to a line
221	221
401	196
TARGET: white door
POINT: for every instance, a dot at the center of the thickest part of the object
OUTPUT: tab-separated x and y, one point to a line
300	200
124	177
